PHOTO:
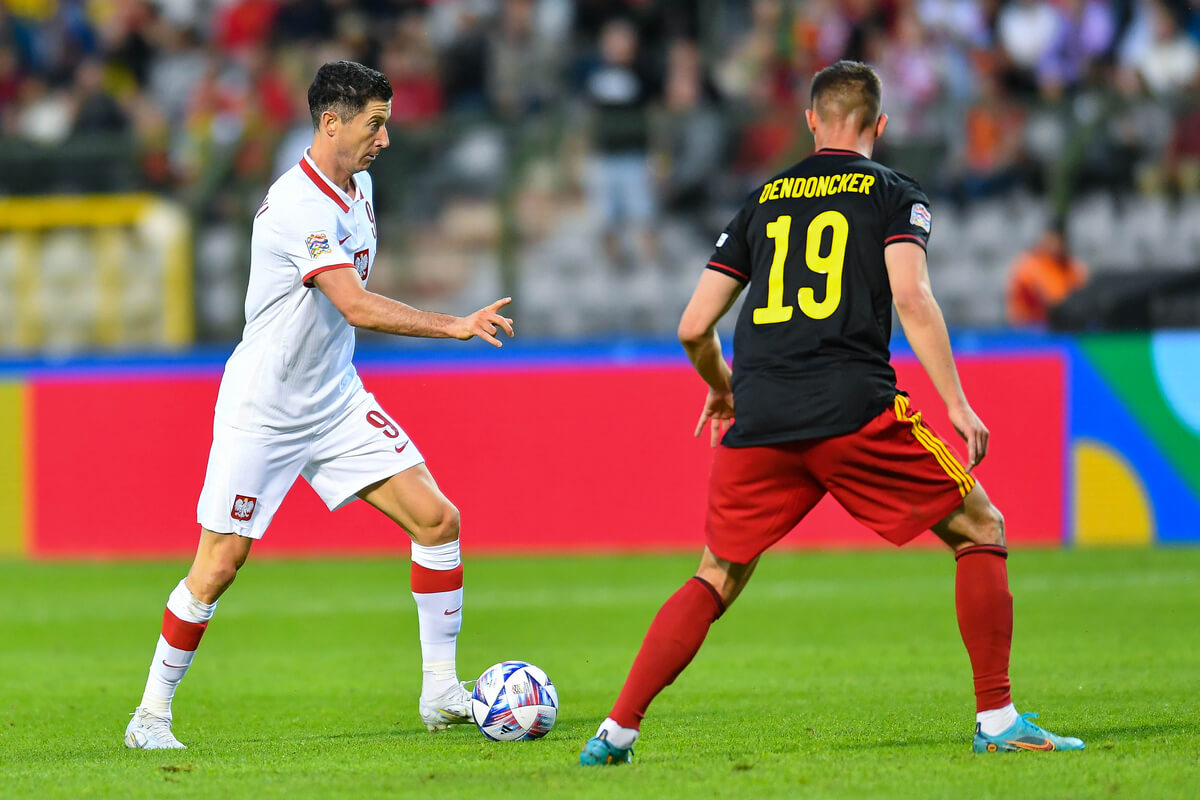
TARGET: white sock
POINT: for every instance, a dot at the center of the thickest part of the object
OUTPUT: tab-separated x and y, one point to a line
438	571
171	663
616	735
996	721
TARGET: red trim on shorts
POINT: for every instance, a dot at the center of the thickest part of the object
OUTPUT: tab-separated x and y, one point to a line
907	236
308	279
322	184
427	581
179	634
994	549
730	270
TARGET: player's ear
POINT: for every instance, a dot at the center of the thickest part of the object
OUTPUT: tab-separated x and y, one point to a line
810	117
880	125
329	122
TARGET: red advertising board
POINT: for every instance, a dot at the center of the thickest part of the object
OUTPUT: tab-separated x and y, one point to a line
537	458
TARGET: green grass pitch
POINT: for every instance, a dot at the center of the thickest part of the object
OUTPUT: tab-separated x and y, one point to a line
835	675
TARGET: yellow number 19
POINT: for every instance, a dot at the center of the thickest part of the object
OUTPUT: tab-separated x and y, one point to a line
830	265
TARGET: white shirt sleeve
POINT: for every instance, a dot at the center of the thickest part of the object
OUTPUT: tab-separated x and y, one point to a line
312	241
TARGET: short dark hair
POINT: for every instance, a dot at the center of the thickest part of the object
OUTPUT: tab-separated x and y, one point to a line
846	88
345	87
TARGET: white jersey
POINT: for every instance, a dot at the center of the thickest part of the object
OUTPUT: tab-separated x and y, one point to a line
292	368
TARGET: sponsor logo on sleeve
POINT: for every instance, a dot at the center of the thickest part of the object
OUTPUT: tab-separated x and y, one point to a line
920	217
318	244
362	263
243	508
722	239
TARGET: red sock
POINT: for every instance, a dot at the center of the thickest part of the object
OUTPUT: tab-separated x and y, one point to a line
985	620
673	640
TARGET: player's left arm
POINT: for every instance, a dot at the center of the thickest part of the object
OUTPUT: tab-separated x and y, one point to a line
364	309
925	328
714	295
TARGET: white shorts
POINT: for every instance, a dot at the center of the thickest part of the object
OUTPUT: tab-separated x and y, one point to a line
250	473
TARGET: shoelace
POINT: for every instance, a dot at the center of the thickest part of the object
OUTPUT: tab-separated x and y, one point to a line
155	724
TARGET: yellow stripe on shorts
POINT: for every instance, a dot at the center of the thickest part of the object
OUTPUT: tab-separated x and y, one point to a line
936	447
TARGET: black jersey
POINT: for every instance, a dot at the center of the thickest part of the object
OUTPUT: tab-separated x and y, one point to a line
810	351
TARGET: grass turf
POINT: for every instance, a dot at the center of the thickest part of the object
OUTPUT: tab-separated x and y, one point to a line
835	675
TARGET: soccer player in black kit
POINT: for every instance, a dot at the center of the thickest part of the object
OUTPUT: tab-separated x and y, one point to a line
823	250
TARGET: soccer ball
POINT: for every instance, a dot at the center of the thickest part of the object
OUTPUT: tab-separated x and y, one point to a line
514	701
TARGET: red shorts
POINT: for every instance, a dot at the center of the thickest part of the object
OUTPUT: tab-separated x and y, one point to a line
894	475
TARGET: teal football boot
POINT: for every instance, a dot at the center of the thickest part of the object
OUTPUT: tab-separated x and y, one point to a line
598	753
1023	735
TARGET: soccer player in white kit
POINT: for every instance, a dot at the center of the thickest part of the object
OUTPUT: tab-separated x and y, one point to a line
291	402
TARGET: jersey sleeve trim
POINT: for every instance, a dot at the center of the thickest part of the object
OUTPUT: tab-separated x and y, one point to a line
907	237
730	271
308	279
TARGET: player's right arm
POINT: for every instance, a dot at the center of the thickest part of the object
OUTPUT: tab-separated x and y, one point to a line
364	309
713	296
925	328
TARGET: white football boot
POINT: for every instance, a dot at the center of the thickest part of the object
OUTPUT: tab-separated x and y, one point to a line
451	707
149	732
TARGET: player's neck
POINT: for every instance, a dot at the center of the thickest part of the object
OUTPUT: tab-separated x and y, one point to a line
327	163
846	143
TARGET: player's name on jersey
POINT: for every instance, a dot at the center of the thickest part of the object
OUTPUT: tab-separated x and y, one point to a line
817	186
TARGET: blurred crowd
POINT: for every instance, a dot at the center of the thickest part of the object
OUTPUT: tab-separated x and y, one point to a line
652	115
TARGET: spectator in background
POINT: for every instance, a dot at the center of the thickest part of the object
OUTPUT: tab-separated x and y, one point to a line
95	110
1042	277
906	64
458	29
10	85
760	74
243	23
618	91
523	65
179	63
994	124
1027	31
1086	32
1172	61
690	138
44	114
411	67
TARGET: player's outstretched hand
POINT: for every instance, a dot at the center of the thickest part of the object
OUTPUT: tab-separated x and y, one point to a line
717	413
486	323
973	431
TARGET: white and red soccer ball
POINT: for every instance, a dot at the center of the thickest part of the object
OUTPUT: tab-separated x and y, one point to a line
514	701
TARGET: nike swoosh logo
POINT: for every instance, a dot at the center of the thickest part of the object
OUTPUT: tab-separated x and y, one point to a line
174	666
343	241
1045	745
448	612
400	447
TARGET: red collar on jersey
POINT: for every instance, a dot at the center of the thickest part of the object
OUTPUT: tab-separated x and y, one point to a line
323	183
837	151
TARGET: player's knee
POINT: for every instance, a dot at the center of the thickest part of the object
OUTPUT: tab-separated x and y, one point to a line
988	526
210	582
442	528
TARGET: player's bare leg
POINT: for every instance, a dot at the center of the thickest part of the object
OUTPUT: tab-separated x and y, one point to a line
672	642
975	532
413	501
189	608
